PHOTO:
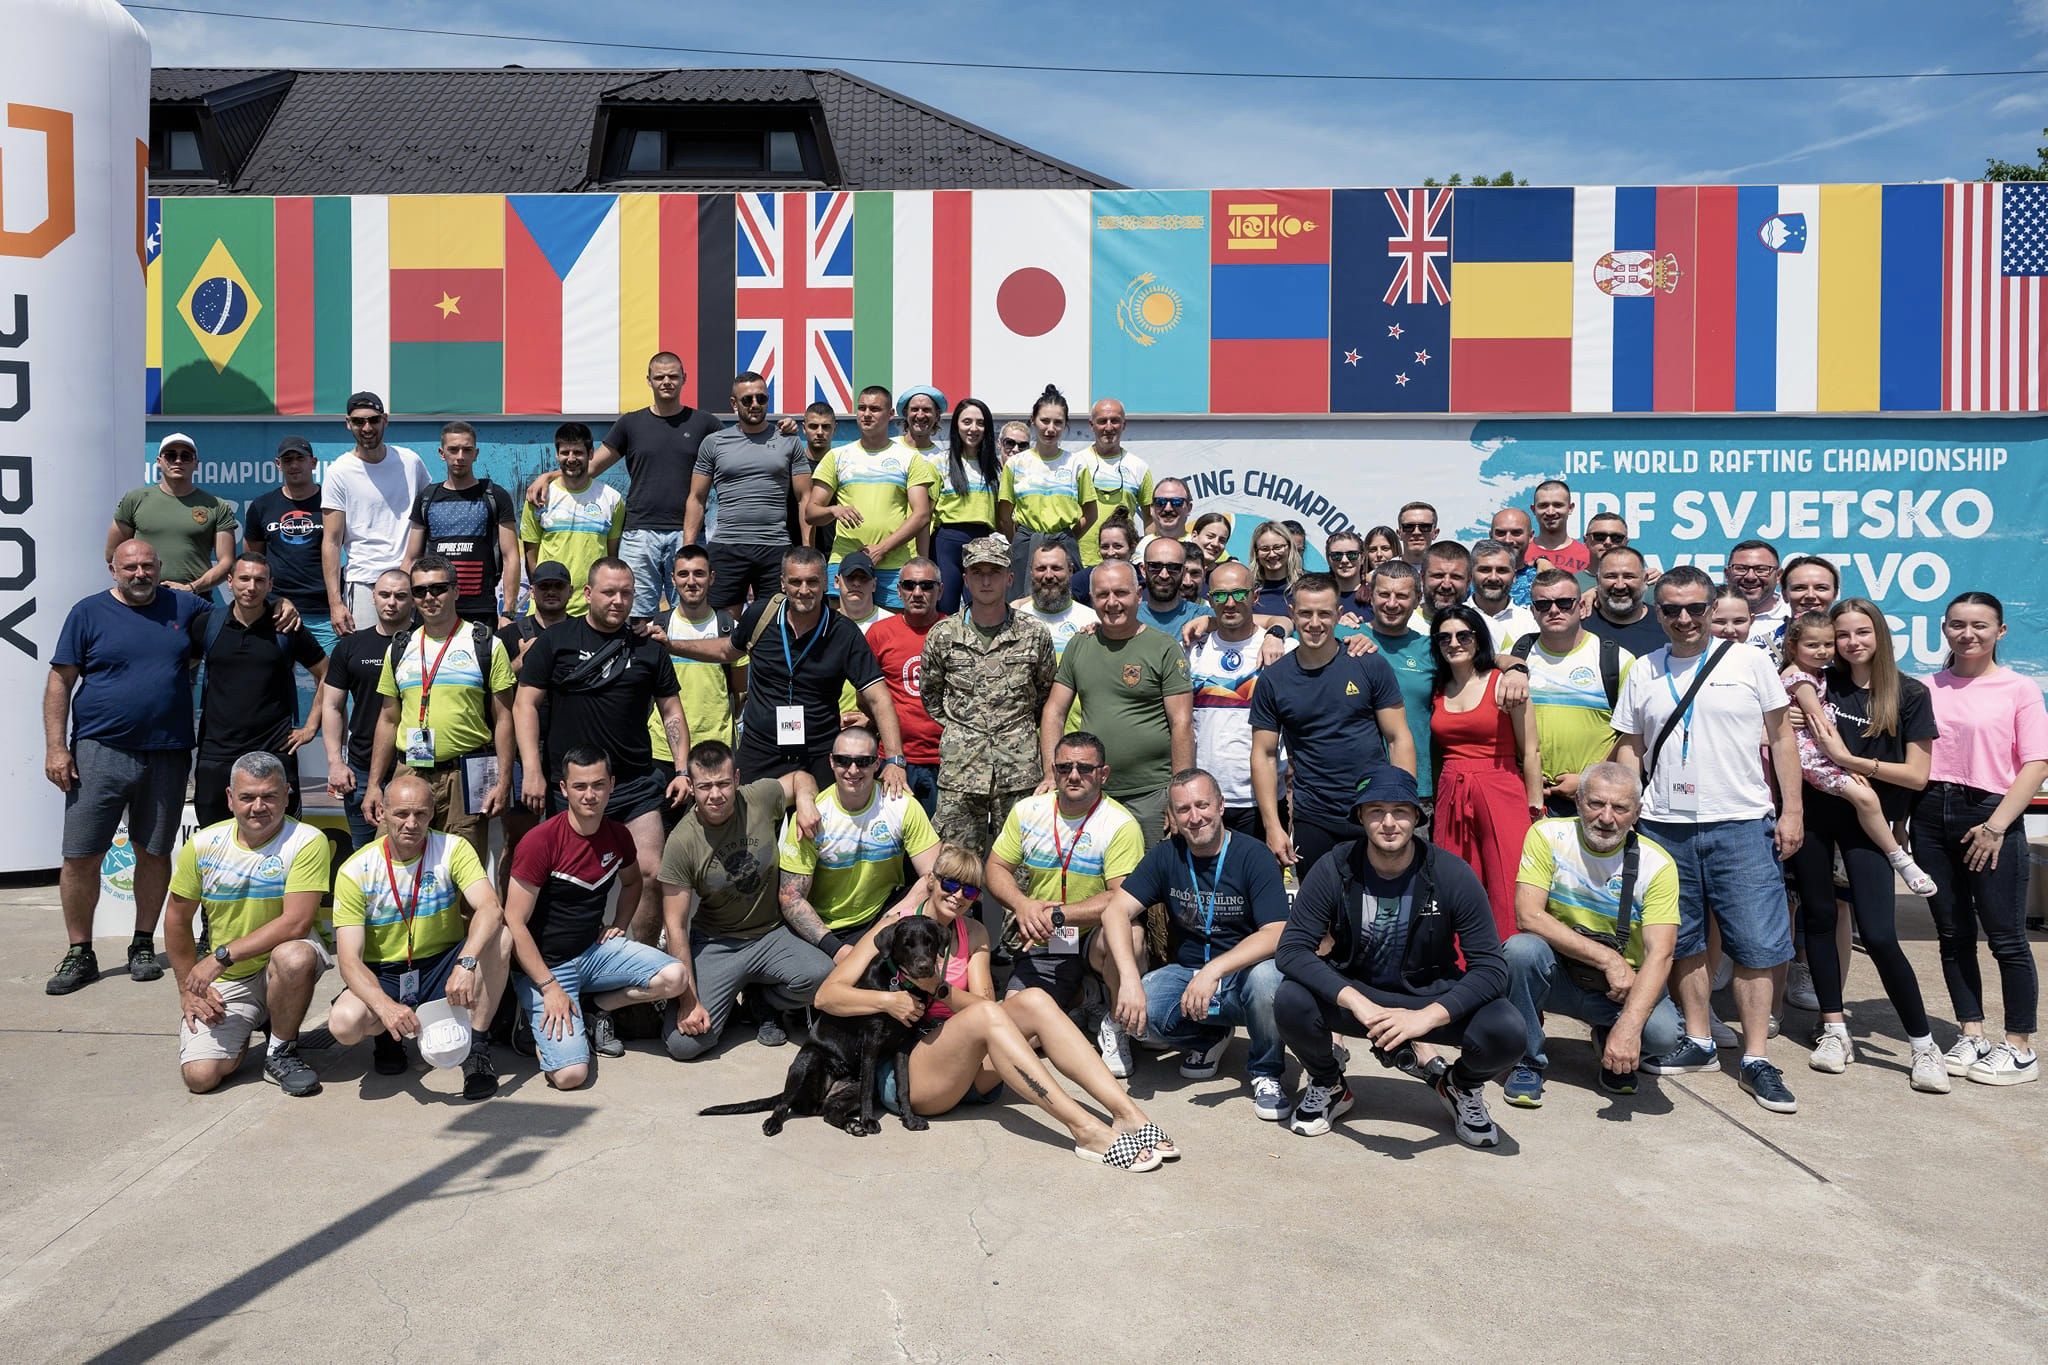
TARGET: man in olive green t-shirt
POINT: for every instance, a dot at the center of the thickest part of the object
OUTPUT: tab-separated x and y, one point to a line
191	530
1132	683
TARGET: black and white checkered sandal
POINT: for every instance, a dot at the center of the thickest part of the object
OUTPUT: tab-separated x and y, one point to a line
1152	1136
1126	1153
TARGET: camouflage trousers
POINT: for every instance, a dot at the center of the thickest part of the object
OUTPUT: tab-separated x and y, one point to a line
973	819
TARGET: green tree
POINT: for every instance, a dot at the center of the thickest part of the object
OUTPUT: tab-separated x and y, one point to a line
1994	169
1504	178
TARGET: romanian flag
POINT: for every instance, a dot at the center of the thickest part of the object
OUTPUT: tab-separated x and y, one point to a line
447	304
675	293
1511	301
315	304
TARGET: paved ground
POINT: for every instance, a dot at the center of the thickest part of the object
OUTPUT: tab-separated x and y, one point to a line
385	1217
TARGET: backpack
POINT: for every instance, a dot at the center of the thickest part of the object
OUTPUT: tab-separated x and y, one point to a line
482	637
1610	663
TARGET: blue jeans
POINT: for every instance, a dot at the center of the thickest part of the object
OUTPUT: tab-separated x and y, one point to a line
612	965
1729	869
1245	998
1536	983
886	594
948	543
361	832
653	557
924	785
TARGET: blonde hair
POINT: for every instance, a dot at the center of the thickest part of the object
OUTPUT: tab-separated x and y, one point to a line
1293	560
957	863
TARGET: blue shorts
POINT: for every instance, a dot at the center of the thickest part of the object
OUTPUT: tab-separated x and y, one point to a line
885	585
613	965
886	1096
433	976
1729	869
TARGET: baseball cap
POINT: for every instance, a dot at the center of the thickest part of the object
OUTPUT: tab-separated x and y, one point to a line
1385	782
857	562
364	399
937	396
550	571
176	438
295	445
444	1034
985	550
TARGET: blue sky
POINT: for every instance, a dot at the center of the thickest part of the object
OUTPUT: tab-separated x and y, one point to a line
1174	132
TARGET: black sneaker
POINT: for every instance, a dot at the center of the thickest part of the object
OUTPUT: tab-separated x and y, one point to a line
1613	1082
479	1072
1766	1085
522	1036
604	1040
771	1033
80	967
387	1055
1467	1108
289	1070
142	962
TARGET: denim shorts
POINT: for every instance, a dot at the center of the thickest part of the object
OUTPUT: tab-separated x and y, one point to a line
1729	869
613	965
886	1096
145	785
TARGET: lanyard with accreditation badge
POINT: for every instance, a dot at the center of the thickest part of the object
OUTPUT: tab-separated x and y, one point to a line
409	983
1208	906
419	743
789	719
1066	939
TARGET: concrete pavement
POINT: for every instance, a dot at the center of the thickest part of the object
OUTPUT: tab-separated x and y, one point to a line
384	1217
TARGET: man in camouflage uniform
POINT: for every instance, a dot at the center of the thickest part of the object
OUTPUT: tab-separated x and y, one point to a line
987	673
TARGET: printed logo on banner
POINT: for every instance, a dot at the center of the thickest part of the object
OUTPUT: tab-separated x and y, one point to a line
1784	232
60	190
1636	274
218	306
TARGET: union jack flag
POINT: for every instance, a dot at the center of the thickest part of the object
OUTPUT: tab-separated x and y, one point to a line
1416	245
793	315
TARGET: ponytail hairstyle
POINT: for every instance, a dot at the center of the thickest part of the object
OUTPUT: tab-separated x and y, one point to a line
1119	519
1884	665
1974	598
1051	398
984	455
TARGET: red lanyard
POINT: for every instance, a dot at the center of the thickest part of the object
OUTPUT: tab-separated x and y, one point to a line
427	675
406	910
1066	855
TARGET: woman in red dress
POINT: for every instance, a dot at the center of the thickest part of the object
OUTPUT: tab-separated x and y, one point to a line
1489	783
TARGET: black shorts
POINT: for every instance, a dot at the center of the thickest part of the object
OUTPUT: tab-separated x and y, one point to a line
740	569
631	799
1058	975
433	976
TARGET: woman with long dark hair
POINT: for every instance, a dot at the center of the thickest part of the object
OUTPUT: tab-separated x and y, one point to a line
1489	783
965	503
1988	762
1382	543
1047	493
1878	727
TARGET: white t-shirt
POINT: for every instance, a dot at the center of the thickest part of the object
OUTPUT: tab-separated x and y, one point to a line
1714	768
1064	625
376	501
1508	625
1224	673
1765	625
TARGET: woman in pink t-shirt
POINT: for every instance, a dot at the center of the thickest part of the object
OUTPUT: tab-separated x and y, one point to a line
1988	763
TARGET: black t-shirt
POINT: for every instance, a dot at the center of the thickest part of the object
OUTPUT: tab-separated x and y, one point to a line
357	663
1850	706
1638	638
250	699
462	527
827	656
289	530
605	708
660	455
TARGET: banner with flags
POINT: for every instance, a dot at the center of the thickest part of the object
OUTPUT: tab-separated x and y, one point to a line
1597	299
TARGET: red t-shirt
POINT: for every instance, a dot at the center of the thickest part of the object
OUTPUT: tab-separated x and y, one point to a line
574	875
898	647
1572	556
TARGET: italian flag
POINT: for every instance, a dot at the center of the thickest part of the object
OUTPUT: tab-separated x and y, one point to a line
912	263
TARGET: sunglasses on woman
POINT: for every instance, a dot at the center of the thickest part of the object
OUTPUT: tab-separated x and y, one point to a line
953	888
1454	637
1012	443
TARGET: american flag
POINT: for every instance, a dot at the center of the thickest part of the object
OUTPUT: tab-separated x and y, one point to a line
1995	254
1416	244
793	313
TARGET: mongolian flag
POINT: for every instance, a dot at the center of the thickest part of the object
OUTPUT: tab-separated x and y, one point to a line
1269	301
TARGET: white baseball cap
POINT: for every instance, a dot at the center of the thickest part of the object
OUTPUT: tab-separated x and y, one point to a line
177	438
444	1034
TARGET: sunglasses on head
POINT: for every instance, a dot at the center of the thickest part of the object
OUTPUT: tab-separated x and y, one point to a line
1454	637
953	888
1539	605
1671	611
1074	768
857	762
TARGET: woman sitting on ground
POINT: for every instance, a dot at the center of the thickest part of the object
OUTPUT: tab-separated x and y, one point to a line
973	1047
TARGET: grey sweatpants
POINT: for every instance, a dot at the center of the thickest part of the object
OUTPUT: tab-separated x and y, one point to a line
789	969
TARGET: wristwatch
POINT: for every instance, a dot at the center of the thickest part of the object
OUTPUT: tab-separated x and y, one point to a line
1277	632
223	956
468	964
1059	919
894	761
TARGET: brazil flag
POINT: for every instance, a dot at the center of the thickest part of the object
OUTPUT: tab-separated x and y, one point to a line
219	298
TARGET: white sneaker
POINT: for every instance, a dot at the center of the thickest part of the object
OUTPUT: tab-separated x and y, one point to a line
1799	992
1724	1037
1930	1070
2003	1065
1115	1045
1832	1053
1967	1051
1269	1099
1724	973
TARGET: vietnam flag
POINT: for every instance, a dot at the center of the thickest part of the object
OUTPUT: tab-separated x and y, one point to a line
447	303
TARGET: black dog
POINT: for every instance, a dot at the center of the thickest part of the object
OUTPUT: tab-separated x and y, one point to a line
834	1074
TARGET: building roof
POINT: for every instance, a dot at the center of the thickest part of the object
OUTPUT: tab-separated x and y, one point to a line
531	131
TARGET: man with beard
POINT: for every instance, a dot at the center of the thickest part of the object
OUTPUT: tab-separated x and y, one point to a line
1512	527
1224	669
1494	573
1753	572
1052	603
1446	581
1172	509
1619	612
898	646
579	521
752	470
1162	606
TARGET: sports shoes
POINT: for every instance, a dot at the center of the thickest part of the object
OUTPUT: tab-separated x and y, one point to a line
1724	973
1467	1108
1683	1060
1799	991
284	1065
387	1055
523	1041
1524	1088
1613	1082
1269	1098
479	1071
2003	1065
1967	1051
80	967
771	1033
1930	1070
1319	1106
1200	1063
1342	1054
604	1039
142	962
1766	1085
1724	1037
1115	1045
1832	1053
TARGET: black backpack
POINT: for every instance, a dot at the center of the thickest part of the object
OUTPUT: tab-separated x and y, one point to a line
1610	663
481	636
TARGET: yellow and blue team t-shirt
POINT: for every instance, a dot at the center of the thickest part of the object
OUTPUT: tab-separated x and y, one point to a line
362	897
1046	495
1104	843
576	528
877	484
856	861
1574	719
700	686
242	889
977	504
458	711
1125	481
1584	887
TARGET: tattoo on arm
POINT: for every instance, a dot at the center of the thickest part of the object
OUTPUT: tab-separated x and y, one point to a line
794	896
678	737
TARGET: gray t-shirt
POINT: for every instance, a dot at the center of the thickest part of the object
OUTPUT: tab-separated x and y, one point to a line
750	476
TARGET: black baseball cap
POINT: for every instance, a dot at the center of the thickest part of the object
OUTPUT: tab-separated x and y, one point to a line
364	399
550	571
1385	782
295	445
858	562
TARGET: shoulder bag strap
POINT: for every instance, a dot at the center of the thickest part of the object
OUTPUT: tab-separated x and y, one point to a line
1699	679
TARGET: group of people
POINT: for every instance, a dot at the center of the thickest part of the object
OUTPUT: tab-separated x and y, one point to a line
729	725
